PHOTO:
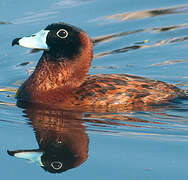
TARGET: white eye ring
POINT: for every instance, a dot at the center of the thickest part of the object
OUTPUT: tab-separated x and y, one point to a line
57	163
62	30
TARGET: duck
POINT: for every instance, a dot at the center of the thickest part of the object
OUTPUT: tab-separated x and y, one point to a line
61	78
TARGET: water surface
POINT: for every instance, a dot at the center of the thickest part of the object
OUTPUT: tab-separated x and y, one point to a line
147	38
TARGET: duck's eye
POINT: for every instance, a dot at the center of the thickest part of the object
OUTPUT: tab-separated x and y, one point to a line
62	33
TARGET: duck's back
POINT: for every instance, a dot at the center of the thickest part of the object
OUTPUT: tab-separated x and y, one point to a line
122	89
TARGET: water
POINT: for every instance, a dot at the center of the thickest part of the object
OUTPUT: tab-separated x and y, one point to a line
147	38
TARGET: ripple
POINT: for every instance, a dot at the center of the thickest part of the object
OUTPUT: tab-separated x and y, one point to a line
34	17
169	62
5	22
139	45
150	13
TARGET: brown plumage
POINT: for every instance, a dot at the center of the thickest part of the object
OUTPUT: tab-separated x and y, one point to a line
60	78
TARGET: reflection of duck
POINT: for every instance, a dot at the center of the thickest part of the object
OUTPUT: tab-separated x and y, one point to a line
62	138
63	142
60	78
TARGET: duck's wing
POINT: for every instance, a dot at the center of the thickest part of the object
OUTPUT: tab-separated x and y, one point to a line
107	89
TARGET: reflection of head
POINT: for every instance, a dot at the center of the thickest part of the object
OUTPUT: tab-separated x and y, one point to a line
59	161
62	140
59	157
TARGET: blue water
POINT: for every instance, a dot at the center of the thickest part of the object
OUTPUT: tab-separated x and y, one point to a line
150	144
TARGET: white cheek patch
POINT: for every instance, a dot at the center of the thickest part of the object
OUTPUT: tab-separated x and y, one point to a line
36	41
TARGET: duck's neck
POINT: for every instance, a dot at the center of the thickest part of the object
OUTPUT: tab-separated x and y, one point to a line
66	74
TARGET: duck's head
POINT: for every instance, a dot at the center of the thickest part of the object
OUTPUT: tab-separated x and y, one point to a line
61	41
65	62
